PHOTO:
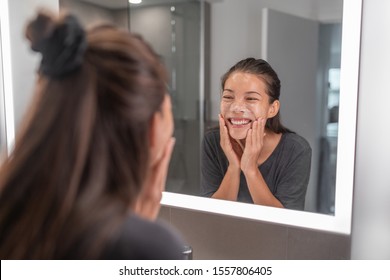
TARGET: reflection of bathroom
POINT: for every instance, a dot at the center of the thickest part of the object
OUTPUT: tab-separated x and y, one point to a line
329	79
173	29
304	50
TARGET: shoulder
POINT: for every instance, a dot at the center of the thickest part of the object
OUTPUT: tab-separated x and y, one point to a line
142	239
211	138
212	133
296	142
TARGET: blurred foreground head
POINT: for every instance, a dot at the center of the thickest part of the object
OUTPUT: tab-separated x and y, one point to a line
84	149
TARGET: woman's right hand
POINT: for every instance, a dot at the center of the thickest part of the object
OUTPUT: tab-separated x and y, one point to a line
148	202
230	147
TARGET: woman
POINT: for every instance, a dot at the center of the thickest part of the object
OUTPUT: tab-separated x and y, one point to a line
252	157
85	178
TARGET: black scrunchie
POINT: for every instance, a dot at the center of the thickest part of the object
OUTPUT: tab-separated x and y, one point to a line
63	51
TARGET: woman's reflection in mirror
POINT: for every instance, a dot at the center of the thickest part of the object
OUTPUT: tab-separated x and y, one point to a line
251	157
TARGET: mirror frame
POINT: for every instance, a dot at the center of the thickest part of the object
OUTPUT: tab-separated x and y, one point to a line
341	221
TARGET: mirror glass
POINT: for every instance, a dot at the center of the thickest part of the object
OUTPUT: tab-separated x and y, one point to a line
302	39
198	41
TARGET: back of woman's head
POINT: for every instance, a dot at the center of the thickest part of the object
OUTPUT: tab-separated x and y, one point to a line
263	70
82	152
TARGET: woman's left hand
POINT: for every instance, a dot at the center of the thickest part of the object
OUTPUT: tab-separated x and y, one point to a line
253	145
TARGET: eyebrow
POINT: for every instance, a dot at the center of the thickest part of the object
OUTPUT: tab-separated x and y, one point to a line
247	92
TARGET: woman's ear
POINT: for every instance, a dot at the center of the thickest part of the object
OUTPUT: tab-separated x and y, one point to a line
273	109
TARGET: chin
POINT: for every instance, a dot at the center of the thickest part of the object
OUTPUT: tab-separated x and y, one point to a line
238	134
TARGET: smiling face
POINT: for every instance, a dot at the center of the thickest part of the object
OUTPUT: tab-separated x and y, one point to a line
244	100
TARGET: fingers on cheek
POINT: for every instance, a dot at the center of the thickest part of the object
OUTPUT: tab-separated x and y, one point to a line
226	133
256	128
249	138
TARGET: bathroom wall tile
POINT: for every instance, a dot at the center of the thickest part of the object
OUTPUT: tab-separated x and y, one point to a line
165	214
222	237
310	244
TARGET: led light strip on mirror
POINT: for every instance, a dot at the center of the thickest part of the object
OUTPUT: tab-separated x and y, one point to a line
7	74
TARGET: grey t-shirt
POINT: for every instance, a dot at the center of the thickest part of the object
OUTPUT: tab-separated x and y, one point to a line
139	239
286	171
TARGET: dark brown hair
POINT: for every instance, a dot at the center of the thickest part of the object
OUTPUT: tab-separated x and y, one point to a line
263	70
80	158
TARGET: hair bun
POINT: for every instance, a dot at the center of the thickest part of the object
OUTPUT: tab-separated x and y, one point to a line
62	43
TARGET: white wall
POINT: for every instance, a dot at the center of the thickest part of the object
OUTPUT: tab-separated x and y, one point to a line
371	204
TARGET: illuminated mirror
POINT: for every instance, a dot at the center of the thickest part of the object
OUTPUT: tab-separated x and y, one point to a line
191	26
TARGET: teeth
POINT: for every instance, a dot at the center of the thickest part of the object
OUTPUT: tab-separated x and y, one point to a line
239	122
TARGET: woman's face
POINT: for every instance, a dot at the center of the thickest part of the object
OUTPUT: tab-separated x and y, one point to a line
244	100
